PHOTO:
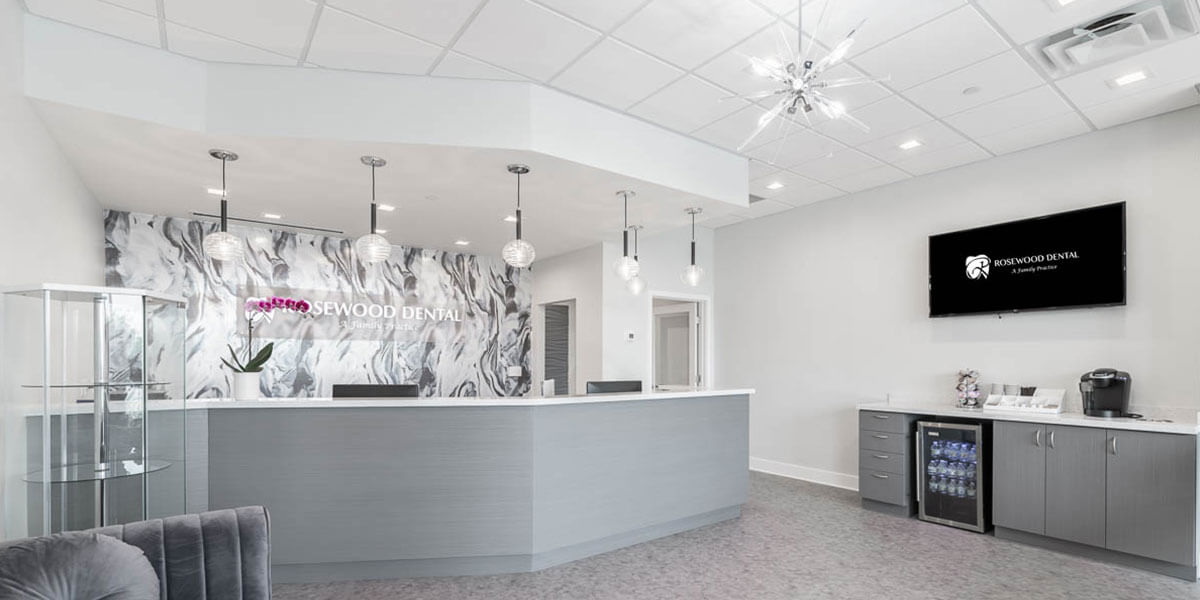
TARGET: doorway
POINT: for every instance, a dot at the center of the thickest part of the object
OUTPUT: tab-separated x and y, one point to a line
678	340
558	349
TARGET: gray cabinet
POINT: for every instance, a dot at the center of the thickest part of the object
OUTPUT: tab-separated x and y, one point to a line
1019	476
885	470
1075	482
1151	495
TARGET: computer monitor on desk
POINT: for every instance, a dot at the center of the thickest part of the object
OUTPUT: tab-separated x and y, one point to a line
360	390
614	387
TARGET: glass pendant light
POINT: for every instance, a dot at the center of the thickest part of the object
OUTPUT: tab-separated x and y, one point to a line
373	248
692	274
626	267
636	284
518	253
222	245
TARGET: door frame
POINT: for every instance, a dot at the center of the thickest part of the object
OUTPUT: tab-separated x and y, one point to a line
705	313
539	351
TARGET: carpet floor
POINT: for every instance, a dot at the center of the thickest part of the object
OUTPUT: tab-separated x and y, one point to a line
794	540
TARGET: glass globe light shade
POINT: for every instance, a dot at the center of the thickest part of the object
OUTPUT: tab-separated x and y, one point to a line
626	268
372	248
636	285
518	253
222	245
692	275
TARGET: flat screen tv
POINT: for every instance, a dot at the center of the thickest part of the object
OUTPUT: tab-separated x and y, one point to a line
1065	260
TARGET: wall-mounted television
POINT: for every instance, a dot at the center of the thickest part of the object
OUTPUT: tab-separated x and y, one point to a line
1065	260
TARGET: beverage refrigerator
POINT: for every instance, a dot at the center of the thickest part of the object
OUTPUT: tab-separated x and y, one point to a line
952	465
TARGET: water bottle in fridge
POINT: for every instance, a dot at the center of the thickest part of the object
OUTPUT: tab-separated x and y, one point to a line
971	490
935	449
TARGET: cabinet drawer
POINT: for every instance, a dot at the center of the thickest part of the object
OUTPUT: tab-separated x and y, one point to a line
895	443
883	421
888	462
884	487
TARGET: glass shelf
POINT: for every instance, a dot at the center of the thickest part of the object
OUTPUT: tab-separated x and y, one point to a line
94	472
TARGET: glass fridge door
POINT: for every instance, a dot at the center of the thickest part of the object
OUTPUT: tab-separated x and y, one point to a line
950	457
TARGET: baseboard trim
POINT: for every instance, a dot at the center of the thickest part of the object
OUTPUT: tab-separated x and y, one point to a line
1184	572
830	478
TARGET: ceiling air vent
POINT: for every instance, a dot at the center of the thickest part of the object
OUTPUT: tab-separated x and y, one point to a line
1131	30
754	198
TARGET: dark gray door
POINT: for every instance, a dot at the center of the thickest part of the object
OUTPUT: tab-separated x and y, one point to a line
1152	495
558	347
1019	476
1075	484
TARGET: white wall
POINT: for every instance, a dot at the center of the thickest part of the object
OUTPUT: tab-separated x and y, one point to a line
573	276
823	307
52	226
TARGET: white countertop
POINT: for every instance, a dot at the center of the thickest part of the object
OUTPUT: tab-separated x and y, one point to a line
225	403
1157	419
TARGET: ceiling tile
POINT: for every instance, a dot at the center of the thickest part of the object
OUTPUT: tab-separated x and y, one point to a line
788	180
1164	65
718	222
344	41
997	77
783	8
853	96
435	22
933	136
690	32
763	208
837	165
461	65
1026	20
1152	102
732	70
602	15
808	194
98	16
1035	134
732	131
149	7
890	115
795	148
524	37
687	105
943	158
885	19
871	178
280	26
616	74
1027	107
760	169
950	42
204	46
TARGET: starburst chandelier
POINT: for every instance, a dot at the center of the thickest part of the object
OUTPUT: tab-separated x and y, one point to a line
799	85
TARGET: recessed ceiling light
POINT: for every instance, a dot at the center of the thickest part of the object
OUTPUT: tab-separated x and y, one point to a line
974	89
1129	78
386	207
774	185
380	231
272	216
510	219
910	144
1064	2
216	191
462	243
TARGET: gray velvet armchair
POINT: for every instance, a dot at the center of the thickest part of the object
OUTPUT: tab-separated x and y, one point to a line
218	555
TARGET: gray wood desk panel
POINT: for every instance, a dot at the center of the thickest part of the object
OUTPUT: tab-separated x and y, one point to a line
377	484
605	469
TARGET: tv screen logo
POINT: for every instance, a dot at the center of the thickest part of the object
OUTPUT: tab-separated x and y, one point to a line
978	267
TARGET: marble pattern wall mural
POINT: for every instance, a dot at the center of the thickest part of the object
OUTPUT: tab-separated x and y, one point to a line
451	323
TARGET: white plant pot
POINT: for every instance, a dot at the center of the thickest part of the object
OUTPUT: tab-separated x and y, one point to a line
245	386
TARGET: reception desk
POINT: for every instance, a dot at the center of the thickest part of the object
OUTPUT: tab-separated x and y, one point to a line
375	488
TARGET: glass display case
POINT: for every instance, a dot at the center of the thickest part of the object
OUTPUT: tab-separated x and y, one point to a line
94	407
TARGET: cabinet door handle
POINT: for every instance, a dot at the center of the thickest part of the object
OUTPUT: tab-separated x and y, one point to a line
882	437
881	456
1051	440
883	416
879	475
1113	441
1037	438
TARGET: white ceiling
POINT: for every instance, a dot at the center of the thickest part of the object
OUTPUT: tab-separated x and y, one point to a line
441	194
671	62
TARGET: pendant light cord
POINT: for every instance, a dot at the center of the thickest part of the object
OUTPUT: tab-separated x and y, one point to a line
625	232
224	200
693	239
518	206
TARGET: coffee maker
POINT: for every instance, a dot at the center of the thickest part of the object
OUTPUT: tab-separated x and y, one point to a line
1106	393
